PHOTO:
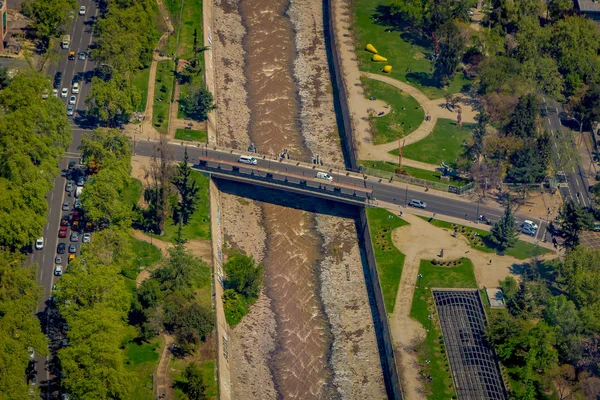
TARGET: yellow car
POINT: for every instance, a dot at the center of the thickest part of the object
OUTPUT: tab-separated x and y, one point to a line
71	257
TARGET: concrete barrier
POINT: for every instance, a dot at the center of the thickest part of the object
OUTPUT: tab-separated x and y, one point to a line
382	329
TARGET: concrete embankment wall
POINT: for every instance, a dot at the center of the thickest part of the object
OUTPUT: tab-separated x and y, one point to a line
384	337
221	327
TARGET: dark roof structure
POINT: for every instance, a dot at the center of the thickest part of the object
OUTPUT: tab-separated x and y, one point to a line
475	368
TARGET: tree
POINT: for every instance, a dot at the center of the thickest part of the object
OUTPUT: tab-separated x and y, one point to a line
4	78
575	42
243	275
559	8
523	118
504	232
194	386
103	199
198	102
180	272
19	326
478	134
188	191
451	49
106	147
158	189
581	273
113	101
49	17
573	219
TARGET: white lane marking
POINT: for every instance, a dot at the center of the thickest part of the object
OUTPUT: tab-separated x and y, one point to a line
544	99
43	257
85	63
549	121
555	145
577	182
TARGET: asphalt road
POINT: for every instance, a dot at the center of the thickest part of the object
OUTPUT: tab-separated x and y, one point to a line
73	70
382	190
576	185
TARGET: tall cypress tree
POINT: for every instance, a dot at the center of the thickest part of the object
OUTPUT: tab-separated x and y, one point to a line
504	232
188	191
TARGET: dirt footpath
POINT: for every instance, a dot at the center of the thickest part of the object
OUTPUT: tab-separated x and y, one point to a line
422	241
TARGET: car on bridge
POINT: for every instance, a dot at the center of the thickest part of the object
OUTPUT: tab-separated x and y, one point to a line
248	160
324	175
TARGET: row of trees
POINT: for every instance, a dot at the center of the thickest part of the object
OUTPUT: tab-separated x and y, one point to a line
108	152
550	335
125	38
34	135
93	299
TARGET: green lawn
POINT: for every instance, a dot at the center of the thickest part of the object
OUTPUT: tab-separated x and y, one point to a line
192	135
176	369
480	240
389	259
144	255
403	48
132	192
432	176
191	19
432	348
140	81
444	144
142	360
405	113
163	89
199	224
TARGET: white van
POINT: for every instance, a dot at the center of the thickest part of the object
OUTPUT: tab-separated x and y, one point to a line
324	175
248	160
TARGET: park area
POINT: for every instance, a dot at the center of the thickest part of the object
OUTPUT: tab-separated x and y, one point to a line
403	116
444	144
407	52
415	254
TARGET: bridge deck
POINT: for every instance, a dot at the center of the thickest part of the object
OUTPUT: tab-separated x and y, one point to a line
314	179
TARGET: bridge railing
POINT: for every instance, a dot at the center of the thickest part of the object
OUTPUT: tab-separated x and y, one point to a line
362	170
357	197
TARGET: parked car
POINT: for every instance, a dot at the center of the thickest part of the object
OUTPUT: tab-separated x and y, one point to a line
82	10
72	164
417	203
77	204
62	232
72	248
31	353
60	249
66	206
57	79
80	181
58	270
528	230
64	92
39	243
69	186
71	258
58	260
82	55
72	100
55	92
70	110
75	88
71	55
74	237
86	237
64	221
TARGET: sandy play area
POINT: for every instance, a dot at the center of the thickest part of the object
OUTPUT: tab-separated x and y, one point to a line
421	240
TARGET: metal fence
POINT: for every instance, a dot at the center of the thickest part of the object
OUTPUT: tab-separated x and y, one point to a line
418	182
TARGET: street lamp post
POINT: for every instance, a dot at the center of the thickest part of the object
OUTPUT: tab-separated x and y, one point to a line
430	317
420	276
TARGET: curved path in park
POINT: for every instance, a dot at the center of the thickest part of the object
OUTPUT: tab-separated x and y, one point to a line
434	108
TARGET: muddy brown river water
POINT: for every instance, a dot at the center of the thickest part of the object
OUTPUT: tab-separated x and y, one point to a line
299	362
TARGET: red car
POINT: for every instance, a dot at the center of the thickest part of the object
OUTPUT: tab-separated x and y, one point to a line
62	233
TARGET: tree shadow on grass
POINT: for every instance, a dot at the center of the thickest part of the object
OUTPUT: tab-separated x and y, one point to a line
384	16
423	79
